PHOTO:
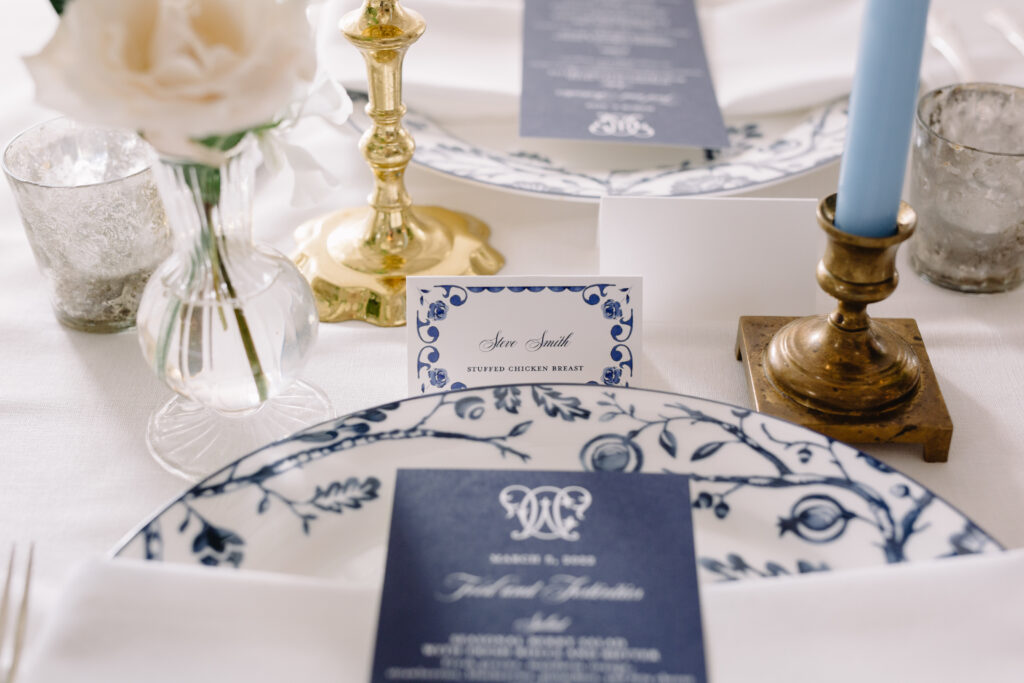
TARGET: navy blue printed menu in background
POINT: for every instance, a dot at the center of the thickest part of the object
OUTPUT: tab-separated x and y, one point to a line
540	576
617	71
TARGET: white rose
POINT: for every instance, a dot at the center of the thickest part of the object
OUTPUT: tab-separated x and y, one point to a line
176	69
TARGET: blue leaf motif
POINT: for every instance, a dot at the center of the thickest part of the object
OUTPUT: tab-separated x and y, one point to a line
707	450
520	428
805	567
351	494
372	415
154	541
507	399
317	437
554	403
738	563
214	538
214	545
667	440
713	565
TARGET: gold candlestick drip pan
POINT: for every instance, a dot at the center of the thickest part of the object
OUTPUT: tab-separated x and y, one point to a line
846	375
356	260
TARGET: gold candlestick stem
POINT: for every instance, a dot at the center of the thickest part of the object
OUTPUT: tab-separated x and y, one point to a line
357	259
845	374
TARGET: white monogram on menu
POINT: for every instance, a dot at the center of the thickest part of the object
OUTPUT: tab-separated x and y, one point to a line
621	125
546	512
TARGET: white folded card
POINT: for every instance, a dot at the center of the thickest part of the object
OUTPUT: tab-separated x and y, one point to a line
716	258
477	331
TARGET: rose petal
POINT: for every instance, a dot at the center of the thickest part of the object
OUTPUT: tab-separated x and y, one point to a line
185	68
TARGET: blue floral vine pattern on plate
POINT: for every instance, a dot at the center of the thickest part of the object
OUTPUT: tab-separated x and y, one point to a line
439	302
816	503
752	159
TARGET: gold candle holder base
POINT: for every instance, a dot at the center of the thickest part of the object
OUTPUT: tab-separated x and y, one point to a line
356	260
353	284
845	375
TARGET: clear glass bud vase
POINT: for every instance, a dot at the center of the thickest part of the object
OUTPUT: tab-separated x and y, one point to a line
226	324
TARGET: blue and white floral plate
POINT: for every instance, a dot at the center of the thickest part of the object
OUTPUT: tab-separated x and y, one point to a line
761	152
769	497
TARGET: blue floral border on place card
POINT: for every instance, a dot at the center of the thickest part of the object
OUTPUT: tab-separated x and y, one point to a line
439	302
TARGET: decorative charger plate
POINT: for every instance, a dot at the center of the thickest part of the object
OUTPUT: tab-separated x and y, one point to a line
761	152
769	497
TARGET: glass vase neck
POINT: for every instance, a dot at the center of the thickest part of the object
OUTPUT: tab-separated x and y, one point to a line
211	202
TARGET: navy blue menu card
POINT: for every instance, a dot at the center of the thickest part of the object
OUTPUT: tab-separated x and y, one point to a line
616	70
540	577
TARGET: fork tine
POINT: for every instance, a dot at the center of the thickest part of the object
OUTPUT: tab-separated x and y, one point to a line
22	621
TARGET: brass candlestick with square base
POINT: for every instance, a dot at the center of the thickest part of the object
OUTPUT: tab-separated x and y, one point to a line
845	375
356	260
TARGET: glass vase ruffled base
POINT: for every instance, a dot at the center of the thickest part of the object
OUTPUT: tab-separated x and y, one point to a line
228	325
192	440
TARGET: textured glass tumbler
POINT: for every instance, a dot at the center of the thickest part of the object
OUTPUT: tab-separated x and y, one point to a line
93	217
967	186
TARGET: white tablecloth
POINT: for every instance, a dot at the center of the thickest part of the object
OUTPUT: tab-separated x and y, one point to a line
75	475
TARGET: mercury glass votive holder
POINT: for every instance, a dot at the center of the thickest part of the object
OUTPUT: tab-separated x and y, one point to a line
967	186
93	218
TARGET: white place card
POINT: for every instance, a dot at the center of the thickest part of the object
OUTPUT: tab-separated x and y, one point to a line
715	259
477	331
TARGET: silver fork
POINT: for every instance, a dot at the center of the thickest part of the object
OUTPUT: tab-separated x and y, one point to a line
10	646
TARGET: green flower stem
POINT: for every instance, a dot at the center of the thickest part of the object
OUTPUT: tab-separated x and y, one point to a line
220	272
209	181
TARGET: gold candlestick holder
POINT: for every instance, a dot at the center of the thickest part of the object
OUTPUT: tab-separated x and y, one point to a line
356	260
846	375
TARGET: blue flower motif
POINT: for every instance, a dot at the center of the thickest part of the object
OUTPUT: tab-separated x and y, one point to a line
437	311
611	309
611	375
438	377
611	453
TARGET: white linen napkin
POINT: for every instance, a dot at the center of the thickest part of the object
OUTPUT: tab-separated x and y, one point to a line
766	56
952	620
947	621
124	621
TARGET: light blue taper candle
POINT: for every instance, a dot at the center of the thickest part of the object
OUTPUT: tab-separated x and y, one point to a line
882	105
